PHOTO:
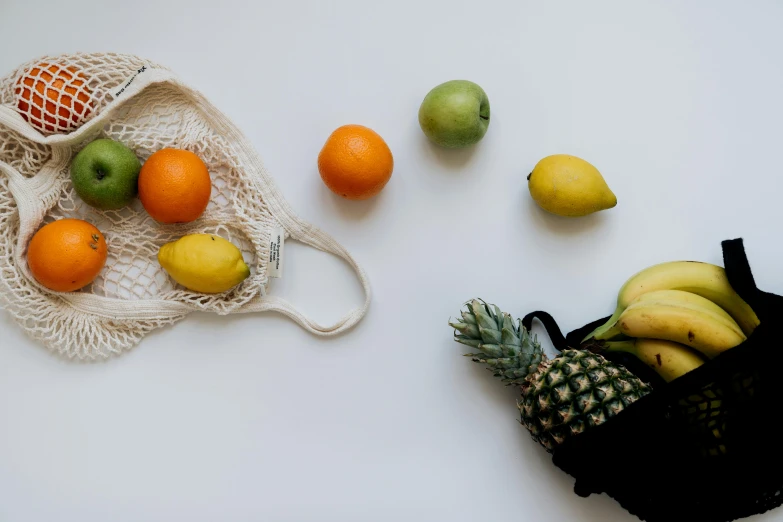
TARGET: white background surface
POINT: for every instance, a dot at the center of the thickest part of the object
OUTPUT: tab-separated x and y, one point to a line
250	418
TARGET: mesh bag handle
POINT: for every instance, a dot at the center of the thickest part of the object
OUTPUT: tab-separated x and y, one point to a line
321	241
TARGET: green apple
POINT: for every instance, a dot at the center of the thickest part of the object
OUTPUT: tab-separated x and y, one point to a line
105	174
455	114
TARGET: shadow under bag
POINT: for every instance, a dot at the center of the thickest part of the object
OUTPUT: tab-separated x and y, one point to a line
705	447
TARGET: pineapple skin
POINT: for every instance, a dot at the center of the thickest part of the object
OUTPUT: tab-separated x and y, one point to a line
574	392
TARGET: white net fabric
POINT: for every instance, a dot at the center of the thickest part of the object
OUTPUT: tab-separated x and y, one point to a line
37	189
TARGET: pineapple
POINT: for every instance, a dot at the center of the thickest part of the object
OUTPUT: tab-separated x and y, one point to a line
507	349
561	397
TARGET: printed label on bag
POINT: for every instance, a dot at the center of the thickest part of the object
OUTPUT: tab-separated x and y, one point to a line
127	83
276	246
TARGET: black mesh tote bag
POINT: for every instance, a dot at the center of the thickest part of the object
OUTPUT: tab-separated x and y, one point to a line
706	446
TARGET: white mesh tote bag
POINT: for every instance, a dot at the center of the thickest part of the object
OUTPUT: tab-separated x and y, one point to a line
146	107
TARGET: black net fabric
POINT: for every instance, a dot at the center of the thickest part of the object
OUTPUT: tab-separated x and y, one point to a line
704	447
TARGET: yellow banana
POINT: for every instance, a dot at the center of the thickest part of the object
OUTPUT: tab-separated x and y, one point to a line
688	300
704	279
697	328
674	298
670	360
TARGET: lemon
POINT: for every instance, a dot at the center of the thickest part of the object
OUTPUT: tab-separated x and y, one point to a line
204	263
569	186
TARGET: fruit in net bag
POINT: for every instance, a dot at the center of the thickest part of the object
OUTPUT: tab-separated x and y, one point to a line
676	315
149	107
105	174
561	397
174	186
53	98
66	255
204	263
670	360
703	279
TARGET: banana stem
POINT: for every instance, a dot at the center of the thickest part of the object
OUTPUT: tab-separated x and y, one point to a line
608	330
620	346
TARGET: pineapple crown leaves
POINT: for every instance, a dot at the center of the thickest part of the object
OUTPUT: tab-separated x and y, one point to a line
503	344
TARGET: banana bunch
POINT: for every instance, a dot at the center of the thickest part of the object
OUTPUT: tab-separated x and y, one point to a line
675	316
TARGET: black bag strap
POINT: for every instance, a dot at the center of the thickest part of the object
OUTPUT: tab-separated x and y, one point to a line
560	342
552	329
735	261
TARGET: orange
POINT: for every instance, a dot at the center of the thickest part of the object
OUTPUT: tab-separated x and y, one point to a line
66	255
355	162
174	186
52	97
